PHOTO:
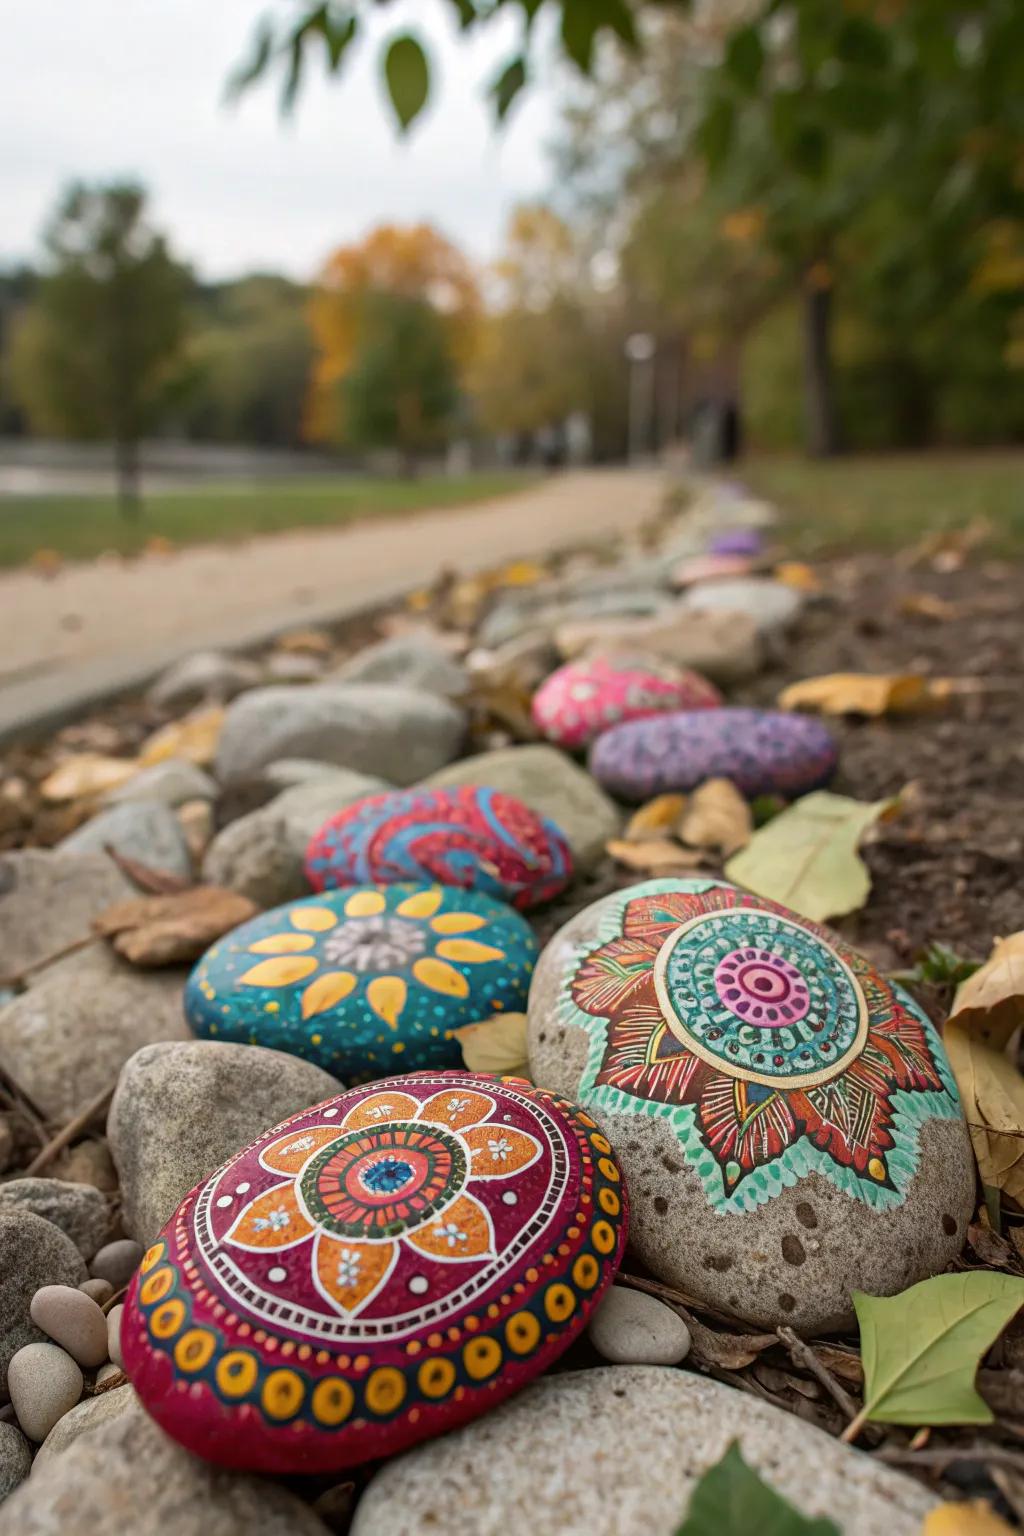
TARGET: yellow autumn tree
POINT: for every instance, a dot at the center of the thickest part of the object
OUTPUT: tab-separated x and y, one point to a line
414	262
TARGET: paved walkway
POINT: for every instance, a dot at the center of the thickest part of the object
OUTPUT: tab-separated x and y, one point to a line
95	629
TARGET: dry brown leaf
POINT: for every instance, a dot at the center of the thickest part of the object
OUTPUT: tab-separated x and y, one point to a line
655	855
309	642
794	573
992	1249
727	1351
496	1045
165	930
86	774
656	817
865	693
925	605
987	1011
717	816
842	1362
195	737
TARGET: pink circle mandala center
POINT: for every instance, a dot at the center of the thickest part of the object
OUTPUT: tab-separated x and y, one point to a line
761	988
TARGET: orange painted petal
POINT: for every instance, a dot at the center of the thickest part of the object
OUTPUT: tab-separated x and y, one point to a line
313	919
439	976
457	922
420	904
350	1273
273	1220
379	1108
325	991
457	1108
462	1231
282	944
469	951
292	1151
282	972
498	1150
386	996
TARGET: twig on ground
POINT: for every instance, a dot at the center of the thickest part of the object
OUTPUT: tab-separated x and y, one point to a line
17	979
802	1354
73	1128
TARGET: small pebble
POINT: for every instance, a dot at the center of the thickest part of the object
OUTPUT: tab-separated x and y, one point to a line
631	1328
15	1459
72	1320
44	1383
114	1334
117	1262
105	1372
99	1290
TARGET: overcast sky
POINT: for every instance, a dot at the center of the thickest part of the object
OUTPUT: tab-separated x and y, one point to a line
107	88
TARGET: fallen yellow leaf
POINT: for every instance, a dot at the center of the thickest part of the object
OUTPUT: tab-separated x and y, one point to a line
794	573
925	605
88	773
521	573
863	693
495	1045
655	855
987	1011
659	815
975	1518
195	737
717	816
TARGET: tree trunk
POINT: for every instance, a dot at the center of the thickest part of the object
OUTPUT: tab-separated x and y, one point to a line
126	455
819	392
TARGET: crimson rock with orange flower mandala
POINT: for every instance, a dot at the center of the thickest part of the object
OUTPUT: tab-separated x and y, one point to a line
374	1271
786	1118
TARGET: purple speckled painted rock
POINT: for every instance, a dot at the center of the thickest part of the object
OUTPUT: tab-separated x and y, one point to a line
736	541
761	751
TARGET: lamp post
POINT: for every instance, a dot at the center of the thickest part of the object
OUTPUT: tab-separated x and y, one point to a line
640	348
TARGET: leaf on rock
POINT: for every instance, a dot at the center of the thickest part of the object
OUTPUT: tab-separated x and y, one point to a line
496	1045
921	1348
658	816
717	816
732	1500
87	774
807	856
987	1011
654	855
165	930
975	1518
865	693
195	738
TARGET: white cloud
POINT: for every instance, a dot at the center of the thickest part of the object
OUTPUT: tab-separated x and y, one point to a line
105	88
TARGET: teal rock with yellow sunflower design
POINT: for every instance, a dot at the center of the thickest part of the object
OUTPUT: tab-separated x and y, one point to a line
367	980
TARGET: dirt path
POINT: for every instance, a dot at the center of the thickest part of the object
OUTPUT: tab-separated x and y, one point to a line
100	620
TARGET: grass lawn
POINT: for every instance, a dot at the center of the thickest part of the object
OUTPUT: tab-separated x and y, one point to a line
79	527
890	501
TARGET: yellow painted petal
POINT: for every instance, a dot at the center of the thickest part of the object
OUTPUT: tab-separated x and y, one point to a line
313	919
422	904
457	922
468	950
282	944
386	996
281	972
440	977
365	904
325	991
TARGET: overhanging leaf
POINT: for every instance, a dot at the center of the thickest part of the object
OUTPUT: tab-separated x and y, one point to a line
921	1348
987	1011
732	1500
495	1045
508	85
407	74
807	856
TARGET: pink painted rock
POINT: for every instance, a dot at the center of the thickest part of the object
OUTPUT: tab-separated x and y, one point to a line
583	699
710	568
375	1271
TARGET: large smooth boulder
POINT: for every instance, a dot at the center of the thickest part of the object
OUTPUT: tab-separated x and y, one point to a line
415	660
398	733
84	1419
145	830
48	900
181	1110
619	1449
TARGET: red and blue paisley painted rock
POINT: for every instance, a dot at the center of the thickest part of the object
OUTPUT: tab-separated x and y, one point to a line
375	1271
584	699
763	752
479	839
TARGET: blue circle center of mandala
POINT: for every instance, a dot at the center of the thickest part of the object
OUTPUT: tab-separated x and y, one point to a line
387	1176
761	998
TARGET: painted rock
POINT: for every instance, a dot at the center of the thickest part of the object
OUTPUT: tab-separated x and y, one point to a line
584	699
471	837
786	1118
736	541
366	979
374	1271
761	751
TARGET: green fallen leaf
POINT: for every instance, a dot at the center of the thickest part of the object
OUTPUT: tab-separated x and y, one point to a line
920	1349
807	856
731	1500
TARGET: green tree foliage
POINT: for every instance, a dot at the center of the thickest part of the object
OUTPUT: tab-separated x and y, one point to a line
94	351
401	389
248	363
